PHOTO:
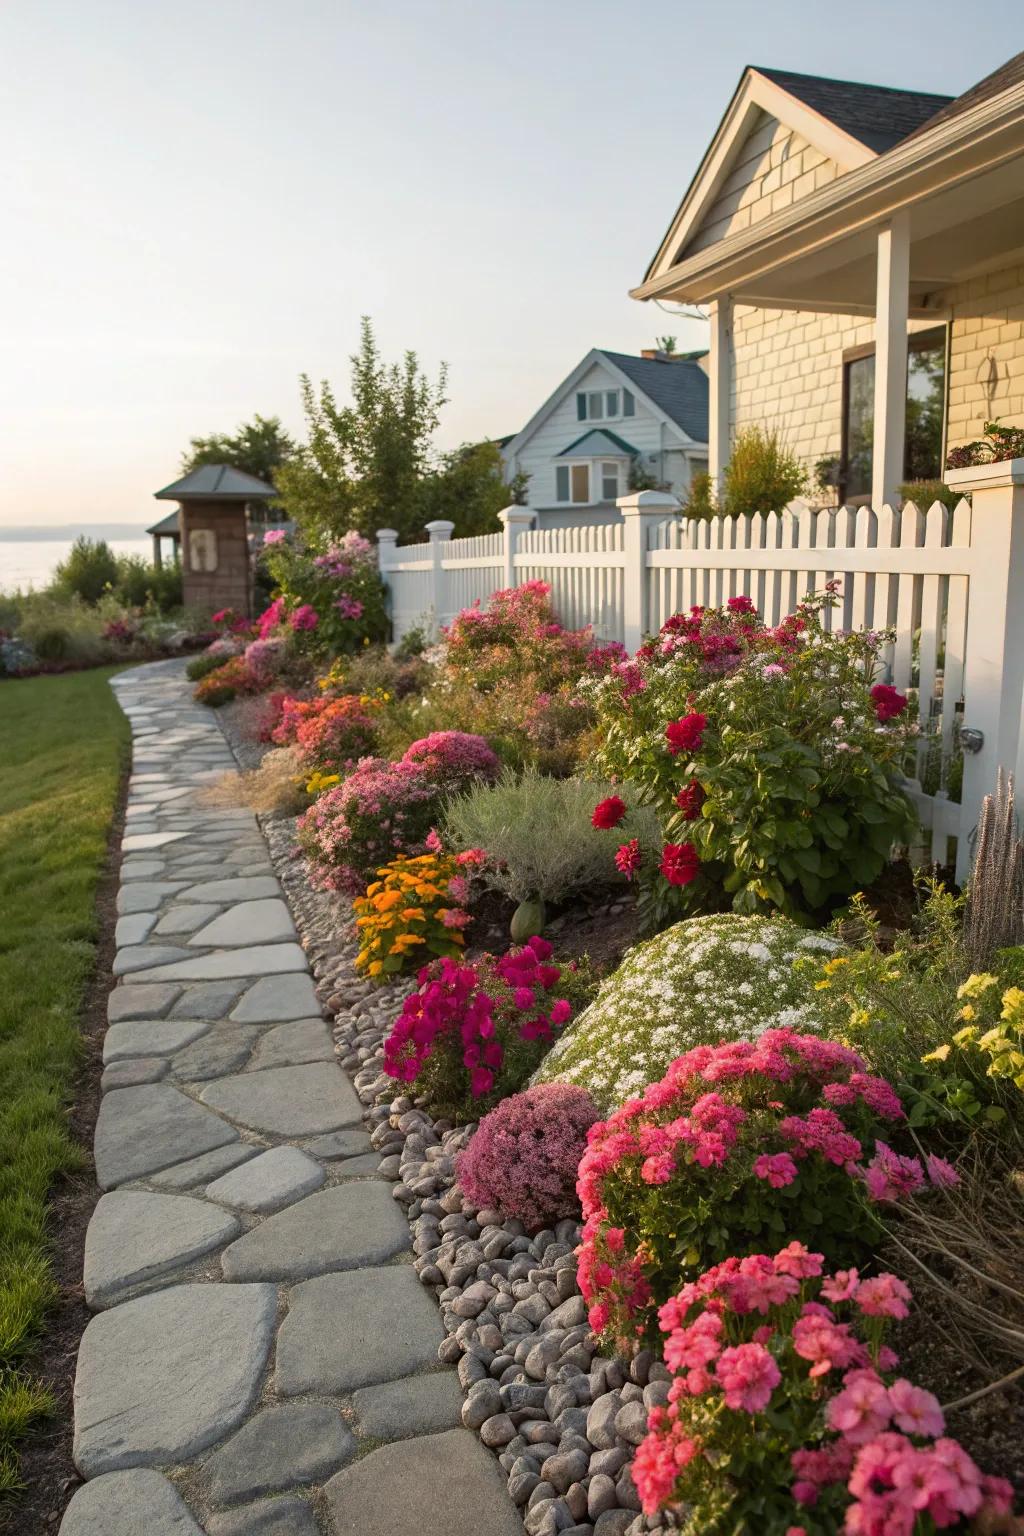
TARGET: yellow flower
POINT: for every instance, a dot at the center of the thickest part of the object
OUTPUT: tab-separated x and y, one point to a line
940	1053
1013	1005
832	966
965	1036
968	1011
860	1018
975	985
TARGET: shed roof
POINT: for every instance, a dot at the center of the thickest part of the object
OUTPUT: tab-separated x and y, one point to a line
678	385
216	482
877	116
167	526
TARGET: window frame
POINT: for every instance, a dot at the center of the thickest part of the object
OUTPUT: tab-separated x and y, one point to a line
917	341
605	392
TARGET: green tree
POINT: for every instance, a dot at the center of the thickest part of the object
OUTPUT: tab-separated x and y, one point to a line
469	488
365	464
89	568
259	447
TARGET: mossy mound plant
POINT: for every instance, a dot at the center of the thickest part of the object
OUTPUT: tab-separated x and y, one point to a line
706	979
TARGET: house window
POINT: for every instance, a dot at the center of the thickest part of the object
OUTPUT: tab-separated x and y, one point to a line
609	480
604	404
572	482
926	401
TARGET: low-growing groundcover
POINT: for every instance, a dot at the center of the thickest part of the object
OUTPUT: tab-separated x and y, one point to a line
723	977
63	741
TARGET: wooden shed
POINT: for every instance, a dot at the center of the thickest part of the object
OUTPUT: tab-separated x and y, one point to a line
213	522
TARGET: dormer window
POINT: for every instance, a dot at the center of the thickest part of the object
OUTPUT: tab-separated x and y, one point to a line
604	404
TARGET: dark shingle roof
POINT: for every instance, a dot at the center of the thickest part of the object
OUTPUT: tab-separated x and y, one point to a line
216	482
167	526
598	440
877	116
1009	74
678	386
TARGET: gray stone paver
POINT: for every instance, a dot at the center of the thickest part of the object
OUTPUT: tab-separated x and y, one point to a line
164	1376
282	1447
135	1503
438	1485
252	1270
346	1227
141	1130
267	1182
135	1236
287	1101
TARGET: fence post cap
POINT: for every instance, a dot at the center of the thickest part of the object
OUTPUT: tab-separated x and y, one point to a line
387	535
519	515
439	530
660	502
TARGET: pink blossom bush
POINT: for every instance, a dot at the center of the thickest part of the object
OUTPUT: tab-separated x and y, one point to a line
522	1159
784	1415
456	758
265	659
382	809
735	1141
471	1034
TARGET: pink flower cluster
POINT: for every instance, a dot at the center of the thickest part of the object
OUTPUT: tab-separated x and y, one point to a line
455	757
271	617
723	1109
858	1440
380	810
452	999
523	1156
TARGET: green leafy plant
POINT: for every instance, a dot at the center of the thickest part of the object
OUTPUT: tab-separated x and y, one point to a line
923	493
700	498
762	474
771	756
87	571
999	443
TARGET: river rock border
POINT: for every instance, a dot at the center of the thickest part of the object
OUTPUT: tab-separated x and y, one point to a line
563	1420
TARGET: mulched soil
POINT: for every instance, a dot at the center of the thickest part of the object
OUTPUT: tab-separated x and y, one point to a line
46	1465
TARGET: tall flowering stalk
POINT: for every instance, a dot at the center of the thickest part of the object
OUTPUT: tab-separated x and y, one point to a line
784	1416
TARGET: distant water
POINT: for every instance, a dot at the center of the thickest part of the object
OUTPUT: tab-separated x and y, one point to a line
31	562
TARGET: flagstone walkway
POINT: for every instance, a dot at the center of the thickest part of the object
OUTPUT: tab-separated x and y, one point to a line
263	1360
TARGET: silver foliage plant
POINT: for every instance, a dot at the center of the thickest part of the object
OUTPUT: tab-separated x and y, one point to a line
994	918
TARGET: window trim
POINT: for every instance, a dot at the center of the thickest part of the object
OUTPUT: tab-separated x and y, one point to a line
595	477
604	390
917	341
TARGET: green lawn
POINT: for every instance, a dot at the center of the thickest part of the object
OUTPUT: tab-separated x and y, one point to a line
63	742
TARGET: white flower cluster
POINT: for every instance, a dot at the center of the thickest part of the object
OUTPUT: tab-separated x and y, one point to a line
706	979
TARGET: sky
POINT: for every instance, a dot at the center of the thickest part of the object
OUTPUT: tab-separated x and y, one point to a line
200	199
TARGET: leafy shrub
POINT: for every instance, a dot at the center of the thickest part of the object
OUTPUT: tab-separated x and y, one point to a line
538	835
139	583
225	683
705	980
924	493
472	1034
700	499
762	475
411	911
784	1416
522	1158
737	1147
52	643
771	756
380	811
455	759
87	571
202	665
333	601
66	629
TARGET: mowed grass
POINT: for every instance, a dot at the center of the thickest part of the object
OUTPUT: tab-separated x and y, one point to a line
63	742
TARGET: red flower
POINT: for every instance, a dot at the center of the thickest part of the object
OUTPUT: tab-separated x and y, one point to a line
627	858
741	605
679	863
609	813
690	800
888	701
685	735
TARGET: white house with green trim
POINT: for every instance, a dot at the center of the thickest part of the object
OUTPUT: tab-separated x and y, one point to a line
617	422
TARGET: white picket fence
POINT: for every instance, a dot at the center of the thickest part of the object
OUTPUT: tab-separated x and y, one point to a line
949	582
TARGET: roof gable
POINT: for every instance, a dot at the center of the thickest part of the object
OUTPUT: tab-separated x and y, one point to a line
774	117
598	441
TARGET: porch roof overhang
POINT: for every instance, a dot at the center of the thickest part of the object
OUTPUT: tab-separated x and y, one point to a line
961	182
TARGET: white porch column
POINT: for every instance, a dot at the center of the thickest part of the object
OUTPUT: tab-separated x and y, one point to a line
719	387
892	302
